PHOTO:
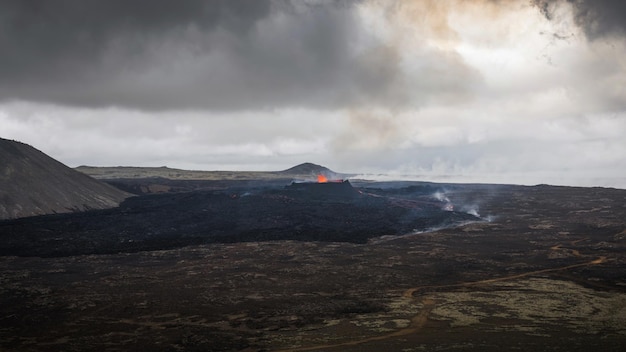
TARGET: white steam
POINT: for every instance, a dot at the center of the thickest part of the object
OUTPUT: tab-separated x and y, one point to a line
471	209
440	196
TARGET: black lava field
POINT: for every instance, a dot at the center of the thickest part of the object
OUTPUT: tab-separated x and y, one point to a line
330	212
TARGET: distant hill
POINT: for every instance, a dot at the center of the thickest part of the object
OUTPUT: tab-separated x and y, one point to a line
32	183
307	169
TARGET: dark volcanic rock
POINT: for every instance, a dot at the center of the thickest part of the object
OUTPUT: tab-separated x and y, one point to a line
32	183
325	190
170	220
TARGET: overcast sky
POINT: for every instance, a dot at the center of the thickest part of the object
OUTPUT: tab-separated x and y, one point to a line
510	91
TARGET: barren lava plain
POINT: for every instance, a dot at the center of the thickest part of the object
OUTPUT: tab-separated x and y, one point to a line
264	266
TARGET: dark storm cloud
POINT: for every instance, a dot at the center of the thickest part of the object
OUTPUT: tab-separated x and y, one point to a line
228	54
38	36
64	45
597	18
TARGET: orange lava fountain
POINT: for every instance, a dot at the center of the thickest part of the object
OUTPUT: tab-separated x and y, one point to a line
321	179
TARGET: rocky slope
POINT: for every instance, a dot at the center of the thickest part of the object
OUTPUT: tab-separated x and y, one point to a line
32	183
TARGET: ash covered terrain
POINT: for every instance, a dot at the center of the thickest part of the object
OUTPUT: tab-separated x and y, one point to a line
254	263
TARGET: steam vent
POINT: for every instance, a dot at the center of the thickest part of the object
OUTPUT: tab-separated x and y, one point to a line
325	190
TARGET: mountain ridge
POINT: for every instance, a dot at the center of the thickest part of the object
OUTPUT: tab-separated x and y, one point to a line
304	170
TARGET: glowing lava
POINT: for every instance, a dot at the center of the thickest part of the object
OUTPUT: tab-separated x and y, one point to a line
321	179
